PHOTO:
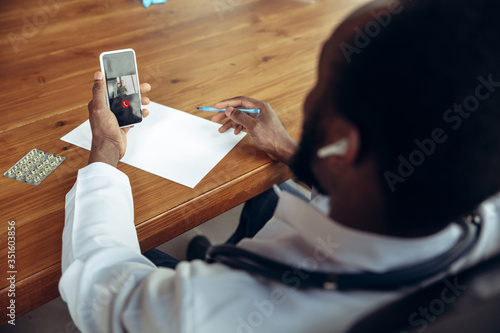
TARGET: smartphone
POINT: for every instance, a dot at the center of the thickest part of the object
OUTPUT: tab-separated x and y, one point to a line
122	85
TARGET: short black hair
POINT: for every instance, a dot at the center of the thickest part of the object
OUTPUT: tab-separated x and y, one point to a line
403	81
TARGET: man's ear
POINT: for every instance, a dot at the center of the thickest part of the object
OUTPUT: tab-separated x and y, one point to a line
346	146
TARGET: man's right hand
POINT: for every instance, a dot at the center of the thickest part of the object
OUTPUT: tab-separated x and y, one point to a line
264	128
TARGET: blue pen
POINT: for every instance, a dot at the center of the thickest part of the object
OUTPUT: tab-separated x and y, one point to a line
209	108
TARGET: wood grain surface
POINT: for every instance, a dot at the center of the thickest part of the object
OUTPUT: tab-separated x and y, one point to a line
192	52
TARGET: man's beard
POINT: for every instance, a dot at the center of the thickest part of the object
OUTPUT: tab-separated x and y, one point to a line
301	161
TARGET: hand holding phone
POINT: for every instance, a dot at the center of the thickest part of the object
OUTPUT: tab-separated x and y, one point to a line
122	85
109	141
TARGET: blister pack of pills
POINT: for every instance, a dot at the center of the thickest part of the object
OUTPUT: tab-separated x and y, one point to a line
34	167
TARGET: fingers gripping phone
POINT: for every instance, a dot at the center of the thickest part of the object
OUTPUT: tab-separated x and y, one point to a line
122	85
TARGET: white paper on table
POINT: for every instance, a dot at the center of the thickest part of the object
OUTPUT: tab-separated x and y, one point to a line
170	143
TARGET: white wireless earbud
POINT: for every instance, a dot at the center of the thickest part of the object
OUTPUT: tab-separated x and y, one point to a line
338	148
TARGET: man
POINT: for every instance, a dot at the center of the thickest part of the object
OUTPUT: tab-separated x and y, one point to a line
400	137
121	89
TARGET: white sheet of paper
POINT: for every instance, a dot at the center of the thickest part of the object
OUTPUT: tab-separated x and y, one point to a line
170	143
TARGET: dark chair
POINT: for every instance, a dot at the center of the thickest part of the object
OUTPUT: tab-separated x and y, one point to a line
473	308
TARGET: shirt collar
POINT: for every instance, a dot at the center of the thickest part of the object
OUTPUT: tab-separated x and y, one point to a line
300	234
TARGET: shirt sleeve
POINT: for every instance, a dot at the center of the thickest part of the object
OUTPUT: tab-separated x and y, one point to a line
101	258
111	287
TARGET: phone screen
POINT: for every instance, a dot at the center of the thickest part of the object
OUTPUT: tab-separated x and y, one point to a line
122	84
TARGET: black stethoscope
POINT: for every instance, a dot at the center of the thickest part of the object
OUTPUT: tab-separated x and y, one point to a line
258	265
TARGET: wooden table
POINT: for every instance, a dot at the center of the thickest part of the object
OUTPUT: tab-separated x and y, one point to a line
192	52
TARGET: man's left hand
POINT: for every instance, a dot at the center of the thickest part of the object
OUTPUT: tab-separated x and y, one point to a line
109	141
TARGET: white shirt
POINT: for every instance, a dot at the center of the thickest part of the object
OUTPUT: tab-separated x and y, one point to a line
110	287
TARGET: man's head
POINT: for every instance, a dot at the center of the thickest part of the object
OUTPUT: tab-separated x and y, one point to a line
414	88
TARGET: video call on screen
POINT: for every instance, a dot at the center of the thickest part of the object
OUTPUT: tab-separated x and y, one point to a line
123	87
